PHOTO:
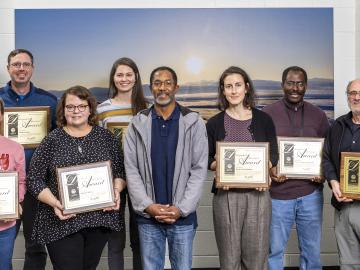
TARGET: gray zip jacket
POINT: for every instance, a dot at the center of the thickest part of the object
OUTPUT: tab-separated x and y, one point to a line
190	162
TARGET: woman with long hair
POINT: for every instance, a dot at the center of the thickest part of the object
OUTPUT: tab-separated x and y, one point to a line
241	216
126	100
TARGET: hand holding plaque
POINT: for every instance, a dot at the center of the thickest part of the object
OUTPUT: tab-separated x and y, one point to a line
350	175
9	196
242	164
300	157
86	187
26	125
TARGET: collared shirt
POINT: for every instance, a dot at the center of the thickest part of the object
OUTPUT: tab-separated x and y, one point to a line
35	97
164	141
301	120
164	138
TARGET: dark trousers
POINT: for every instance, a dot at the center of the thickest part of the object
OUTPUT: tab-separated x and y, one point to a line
78	251
116	245
35	254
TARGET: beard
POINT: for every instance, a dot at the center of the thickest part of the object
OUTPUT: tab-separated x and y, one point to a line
159	100
353	107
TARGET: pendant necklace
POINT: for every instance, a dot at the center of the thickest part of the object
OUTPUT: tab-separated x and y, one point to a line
77	141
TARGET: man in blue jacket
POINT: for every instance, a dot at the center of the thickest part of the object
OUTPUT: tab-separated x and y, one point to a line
20	92
166	153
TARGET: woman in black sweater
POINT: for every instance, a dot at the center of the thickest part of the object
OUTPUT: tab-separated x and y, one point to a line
241	216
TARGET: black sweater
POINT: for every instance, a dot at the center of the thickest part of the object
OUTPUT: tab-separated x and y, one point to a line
262	129
333	147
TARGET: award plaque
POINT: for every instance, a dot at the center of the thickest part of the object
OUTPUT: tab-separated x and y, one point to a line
300	157
242	164
349	175
86	187
9	195
118	129
26	125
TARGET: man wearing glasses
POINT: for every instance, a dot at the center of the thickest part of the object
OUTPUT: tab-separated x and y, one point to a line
166	153
20	92
296	201
344	136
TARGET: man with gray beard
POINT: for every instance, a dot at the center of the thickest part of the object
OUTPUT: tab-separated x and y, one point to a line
166	156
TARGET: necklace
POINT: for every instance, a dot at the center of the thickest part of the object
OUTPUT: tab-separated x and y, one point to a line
77	140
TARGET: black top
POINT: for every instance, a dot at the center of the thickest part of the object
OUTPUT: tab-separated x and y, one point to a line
340	138
261	128
57	150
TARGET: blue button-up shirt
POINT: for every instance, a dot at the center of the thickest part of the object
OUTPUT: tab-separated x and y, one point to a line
35	97
164	138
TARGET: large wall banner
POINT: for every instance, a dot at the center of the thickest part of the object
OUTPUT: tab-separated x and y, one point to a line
78	46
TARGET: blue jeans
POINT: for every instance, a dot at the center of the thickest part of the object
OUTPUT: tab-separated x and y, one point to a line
152	245
7	240
306	213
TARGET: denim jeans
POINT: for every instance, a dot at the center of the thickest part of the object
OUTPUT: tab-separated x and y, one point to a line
306	213
152	245
7	240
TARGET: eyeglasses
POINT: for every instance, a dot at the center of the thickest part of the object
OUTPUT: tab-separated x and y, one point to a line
25	65
299	84
353	94
158	84
72	108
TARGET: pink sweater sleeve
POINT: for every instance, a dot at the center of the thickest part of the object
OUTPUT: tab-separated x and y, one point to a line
20	168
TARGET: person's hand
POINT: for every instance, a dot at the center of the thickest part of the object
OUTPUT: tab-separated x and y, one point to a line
13	219
20	210
58	209
261	189
5	220
156	209
335	186
275	177
116	201
213	166
318	179
163	213
173	215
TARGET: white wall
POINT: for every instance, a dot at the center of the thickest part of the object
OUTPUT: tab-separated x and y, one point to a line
346	67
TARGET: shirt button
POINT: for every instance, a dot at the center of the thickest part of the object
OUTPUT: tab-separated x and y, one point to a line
163	126
353	141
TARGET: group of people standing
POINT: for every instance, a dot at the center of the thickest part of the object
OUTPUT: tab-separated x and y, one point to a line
161	166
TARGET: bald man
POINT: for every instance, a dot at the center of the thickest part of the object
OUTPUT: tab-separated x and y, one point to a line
344	136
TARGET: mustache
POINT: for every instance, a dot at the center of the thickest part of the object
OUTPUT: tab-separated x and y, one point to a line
162	93
297	92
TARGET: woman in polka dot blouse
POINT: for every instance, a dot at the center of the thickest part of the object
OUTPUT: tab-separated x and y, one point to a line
74	241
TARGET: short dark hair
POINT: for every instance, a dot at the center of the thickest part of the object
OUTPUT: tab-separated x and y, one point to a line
294	69
249	100
138	101
2	106
82	93
173	74
18	51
